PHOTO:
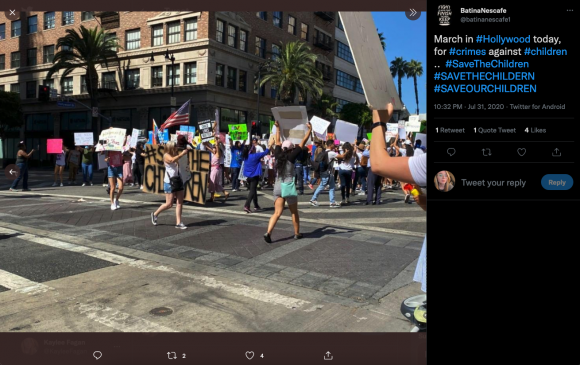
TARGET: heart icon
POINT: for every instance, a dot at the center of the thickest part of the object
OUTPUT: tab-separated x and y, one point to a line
250	355
521	151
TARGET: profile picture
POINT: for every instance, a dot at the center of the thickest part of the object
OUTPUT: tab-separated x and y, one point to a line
444	181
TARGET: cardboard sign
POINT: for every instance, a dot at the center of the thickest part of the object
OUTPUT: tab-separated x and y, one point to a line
292	120
84	139
392	130
345	131
370	60
206	130
198	164
319	125
238	131
75	157
54	146
114	139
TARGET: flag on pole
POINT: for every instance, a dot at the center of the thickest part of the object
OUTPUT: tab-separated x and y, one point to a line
155	131
180	117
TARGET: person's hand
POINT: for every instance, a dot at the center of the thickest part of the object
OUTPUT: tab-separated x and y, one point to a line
390	108
278	124
309	127
420	199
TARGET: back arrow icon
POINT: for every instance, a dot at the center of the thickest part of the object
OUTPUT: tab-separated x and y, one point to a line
12	172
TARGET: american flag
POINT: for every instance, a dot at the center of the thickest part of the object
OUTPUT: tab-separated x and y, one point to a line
180	117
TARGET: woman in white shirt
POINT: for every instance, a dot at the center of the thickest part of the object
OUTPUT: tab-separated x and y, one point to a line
350	159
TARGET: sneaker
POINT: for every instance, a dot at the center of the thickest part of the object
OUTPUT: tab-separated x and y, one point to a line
117	204
347	201
26	189
113	206
91	184
327	187
314	203
267	238
55	184
390	187
298	236
407	196
141	187
104	185
84	184
61	185
14	190
247	210
310	186
335	205
300	193
181	226
153	219
361	193
258	209
342	202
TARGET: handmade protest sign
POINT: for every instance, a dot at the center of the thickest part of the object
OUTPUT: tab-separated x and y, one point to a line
370	60
198	164
369	136
413	125
238	131
292	120
187	128
84	139
319	125
422	137
174	137
402	133
114	139
392	130
345	131
401	124
134	138
206	130
54	145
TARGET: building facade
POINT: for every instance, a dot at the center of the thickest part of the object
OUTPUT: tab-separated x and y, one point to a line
217	56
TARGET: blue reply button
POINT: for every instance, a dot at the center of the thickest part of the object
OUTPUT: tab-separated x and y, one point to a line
557	182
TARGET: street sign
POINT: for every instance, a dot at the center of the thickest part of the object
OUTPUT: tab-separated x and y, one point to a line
53	93
65	104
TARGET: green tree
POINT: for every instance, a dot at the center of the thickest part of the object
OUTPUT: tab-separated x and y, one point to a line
414	70
10	116
382	39
399	69
357	113
87	49
324	107
294	70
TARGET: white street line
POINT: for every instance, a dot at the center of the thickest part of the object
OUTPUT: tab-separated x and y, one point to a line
118	320
362	209
21	285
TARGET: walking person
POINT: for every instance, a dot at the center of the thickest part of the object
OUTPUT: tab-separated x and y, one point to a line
59	166
373	182
252	171
215	178
236	164
114	160
127	170
170	158
87	165
74	157
362	172
299	165
22	162
324	162
345	169
284	191
139	165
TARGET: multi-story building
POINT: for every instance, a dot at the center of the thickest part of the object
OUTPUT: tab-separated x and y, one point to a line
217	56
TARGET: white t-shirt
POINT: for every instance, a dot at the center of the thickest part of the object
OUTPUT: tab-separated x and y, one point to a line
347	165
403	151
331	155
418	167
61	159
259	149
419	152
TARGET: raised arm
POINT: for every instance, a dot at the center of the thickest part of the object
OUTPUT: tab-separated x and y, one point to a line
306	136
278	143
169	159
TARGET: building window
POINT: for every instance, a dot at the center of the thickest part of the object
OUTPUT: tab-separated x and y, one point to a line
348	81
339	24
16	28
243	40
84	84
231	116
31	59
158	35
304	32
220	31
232	75
191	29
343	51
260	47
15	60
191	73
273	92
242	81
68	17
49	20
219	74
32	24
157	76
173	32
341	103
30	89
133	39
48	54
67	85
232	36
170	70
262	15
49	83
2	62
87	15
2	88
291	25
358	87
277	18
109	36
15	88
2	31
275	52
109	81
132	79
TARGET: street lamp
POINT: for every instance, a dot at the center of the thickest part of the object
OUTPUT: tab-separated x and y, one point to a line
172	59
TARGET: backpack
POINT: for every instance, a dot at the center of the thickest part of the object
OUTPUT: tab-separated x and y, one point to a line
321	162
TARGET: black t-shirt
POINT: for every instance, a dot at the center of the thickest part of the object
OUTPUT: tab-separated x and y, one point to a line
291	157
138	158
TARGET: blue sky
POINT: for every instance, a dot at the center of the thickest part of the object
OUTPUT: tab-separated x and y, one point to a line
407	39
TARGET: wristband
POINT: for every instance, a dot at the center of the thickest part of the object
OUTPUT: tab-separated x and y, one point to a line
378	124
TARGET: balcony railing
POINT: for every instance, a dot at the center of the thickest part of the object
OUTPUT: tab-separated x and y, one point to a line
324	43
326	15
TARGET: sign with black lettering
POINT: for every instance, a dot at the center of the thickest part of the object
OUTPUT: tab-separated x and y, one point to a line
206	130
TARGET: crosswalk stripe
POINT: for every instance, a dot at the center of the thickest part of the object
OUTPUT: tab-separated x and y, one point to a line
21	285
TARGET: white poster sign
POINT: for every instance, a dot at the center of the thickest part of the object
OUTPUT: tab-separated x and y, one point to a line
114	139
412	126
401	124
402	133
134	138
206	130
344	131
319	125
370	60
84	139
228	156
392	130
293	122
422	137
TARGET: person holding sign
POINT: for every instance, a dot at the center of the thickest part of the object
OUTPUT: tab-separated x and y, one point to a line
284	187
115	174
59	166
252	171
170	159
22	163
236	164
215	178
87	165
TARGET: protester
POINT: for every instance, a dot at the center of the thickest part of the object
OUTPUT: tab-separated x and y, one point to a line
286	157
114	160
127	171
22	163
361	171
299	165
59	165
317	148
443	181
252	170
236	164
73	165
324	162
349	159
215	178
170	158
87	165
139	165
373	182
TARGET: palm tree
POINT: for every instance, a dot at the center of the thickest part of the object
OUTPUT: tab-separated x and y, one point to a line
324	107
382	39
294	70
399	68
414	70
87	49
